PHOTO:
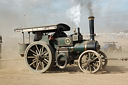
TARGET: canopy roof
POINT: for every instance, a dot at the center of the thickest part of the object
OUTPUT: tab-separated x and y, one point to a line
49	28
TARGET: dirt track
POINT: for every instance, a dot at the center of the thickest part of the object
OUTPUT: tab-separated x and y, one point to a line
16	73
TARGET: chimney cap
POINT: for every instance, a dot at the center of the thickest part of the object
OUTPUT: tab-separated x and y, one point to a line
91	17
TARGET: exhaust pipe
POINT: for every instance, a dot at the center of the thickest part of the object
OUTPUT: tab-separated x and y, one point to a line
91	26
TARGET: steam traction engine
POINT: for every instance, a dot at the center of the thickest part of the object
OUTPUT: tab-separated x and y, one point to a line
58	49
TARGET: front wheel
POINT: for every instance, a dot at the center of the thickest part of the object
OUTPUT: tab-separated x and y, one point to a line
103	59
89	61
39	57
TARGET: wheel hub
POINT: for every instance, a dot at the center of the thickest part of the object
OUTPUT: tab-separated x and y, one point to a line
89	61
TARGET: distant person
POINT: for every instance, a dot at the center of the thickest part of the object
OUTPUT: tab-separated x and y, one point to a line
59	34
120	49
0	45
123	49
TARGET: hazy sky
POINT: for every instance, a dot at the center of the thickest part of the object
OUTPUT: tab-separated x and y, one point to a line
110	15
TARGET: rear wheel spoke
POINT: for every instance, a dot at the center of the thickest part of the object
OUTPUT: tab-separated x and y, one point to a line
30	56
37	66
46	53
37	48
34	55
33	51
45	61
42	65
42	50
32	63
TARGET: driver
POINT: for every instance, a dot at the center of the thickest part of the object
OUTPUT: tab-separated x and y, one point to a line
57	34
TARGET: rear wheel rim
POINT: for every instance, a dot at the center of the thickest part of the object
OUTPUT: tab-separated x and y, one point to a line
39	57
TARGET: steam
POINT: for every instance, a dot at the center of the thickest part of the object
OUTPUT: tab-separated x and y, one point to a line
86	5
74	14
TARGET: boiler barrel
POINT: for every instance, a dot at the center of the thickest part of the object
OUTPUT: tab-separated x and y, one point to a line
87	45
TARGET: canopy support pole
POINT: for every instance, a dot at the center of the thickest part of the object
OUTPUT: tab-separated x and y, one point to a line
23	38
29	36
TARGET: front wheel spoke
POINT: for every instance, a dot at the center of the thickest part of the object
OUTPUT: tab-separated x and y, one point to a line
102	57
95	64
89	55
92	55
100	54
84	62
96	61
90	69
103	60
94	67
84	66
87	68
94	58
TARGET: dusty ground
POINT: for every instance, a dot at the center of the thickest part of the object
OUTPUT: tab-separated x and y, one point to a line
15	72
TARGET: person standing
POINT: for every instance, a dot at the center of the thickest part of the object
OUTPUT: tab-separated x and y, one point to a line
0	45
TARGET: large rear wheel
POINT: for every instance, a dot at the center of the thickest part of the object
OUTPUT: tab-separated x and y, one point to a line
39	57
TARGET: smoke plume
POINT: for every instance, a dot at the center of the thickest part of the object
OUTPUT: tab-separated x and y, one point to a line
77	11
74	14
89	6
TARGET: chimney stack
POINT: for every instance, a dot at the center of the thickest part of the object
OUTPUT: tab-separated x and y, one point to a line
91	26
